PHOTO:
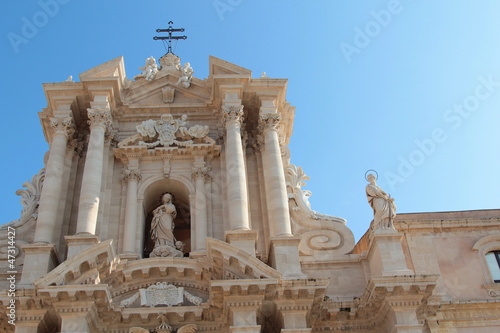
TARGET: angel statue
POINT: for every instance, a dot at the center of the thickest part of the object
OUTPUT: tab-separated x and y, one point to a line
149	71
384	209
187	73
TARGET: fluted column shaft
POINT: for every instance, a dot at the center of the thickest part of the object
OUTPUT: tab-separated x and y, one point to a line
201	230
99	120
132	177
52	186
235	170
274	176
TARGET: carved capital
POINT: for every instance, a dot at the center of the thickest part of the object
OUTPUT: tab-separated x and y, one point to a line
232	113
100	117
269	121
129	175
64	126
203	173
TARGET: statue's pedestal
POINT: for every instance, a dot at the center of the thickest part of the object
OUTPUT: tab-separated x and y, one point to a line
39	259
243	239
284	257
78	243
386	255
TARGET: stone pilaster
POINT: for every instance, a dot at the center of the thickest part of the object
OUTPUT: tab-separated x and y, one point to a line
100	122
51	193
200	175
235	168
132	178
274	176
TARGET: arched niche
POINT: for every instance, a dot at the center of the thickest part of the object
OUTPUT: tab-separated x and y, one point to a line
151	194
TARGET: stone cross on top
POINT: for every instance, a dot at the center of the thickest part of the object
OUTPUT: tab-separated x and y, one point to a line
169	38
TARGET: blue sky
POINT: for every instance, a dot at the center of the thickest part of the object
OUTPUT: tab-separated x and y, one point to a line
408	88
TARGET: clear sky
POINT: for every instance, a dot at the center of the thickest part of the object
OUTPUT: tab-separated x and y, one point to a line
408	88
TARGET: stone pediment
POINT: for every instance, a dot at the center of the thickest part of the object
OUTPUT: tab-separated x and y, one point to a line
144	92
112	69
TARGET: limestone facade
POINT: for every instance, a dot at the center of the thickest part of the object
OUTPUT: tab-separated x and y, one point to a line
169	203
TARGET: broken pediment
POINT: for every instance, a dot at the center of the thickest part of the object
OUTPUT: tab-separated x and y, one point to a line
111	69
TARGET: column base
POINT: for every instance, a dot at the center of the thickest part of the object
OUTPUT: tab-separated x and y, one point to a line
284	257
198	254
245	240
245	329
39	259
79	243
296	330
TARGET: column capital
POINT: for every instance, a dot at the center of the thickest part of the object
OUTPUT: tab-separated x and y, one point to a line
269	121
201	173
100	117
232	113
62	126
128	175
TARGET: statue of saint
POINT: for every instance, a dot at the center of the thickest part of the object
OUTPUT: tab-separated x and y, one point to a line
384	209
162	225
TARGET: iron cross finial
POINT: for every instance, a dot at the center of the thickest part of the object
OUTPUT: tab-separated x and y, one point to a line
169	38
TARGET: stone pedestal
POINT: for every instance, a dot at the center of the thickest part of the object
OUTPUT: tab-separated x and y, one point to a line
404	314
245	240
386	256
78	243
284	257
39	259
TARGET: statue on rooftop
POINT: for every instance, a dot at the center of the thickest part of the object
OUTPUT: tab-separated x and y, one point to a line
149	70
384	209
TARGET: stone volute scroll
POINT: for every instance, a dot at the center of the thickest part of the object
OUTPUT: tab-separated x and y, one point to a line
384	209
321	235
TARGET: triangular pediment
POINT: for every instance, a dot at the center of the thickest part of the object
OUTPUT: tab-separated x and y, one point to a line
155	92
112	69
219	66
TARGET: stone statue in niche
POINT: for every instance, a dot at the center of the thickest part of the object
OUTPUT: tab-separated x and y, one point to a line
162	230
384	209
149	70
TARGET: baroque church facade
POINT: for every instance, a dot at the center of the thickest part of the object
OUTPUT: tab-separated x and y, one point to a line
169	204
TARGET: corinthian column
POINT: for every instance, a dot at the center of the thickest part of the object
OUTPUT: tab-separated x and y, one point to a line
132	177
274	176
99	121
201	227
235	169
49	200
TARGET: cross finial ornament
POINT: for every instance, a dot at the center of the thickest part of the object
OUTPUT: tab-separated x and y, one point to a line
169	38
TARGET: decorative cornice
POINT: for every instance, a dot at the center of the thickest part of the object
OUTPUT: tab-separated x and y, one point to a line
232	113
